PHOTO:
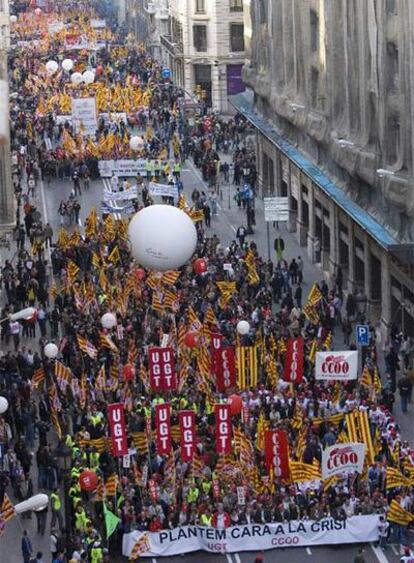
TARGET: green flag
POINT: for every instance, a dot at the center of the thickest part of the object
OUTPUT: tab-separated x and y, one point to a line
111	521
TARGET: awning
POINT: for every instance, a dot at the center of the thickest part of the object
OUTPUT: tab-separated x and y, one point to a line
404	252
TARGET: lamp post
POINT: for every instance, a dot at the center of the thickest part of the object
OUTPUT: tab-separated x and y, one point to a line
64	455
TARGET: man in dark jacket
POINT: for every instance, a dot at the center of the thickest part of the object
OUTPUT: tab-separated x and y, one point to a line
405	388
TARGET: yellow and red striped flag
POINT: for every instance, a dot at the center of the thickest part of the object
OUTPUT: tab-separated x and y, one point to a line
141	546
38	377
398	515
7	511
87	347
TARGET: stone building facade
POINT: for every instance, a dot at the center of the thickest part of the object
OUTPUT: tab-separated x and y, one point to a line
204	48
333	86
7	200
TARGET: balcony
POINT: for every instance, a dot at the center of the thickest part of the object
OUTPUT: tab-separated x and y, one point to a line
173	48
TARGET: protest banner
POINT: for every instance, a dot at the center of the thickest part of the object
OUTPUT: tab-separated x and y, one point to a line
342	366
84	116
223	428
163	426
187	435
116	421
294	360
277	453
162	369
225	368
257	537
163	190
342	458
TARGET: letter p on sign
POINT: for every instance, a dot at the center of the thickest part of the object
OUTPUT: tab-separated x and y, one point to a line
362	335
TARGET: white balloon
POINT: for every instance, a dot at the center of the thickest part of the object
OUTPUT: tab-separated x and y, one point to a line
13	18
162	237
36	502
51	67
4	405
67	65
88	76
76	78
108	320
26	314
136	143
243	327
51	350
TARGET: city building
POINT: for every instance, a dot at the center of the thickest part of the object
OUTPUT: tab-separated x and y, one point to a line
204	47
333	104
7	200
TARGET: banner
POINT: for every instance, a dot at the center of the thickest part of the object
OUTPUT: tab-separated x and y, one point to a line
123	167
225	368
342	458
216	342
187	435
116	421
126	195
277	453
98	24
76	41
342	366
162	369
223	429
163	190
84	115
257	537
294	360
163	426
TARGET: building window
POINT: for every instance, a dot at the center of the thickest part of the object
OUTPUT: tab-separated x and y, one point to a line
200	6
262	12
314	31
236	5
200	37
236	37
314	86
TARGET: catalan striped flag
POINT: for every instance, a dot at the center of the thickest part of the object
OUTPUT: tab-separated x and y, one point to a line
142	545
100	381
153	280
196	215
193	320
197	466
327	344
170	278
247	366
107	342
156	304
311	314
210	317
109	228
313	350
227	290
99	444
300	471
358	427
72	270
398	515
315	295
262	426
87	347
396	479
141	442
38	377
171	300
366	378
55	421
63	374
7	511
114	256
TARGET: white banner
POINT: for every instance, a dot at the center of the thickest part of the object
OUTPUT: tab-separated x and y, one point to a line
342	459
122	168
84	113
256	537
98	24
55	27
163	190
341	366
132	193
114	117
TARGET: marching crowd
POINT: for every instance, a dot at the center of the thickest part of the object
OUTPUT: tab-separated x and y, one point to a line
59	405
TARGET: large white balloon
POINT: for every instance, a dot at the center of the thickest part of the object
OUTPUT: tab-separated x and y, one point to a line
67	65
4	405
136	143
76	78
162	237
51	350
13	18
108	320
88	76
26	314
36	502
243	327
51	67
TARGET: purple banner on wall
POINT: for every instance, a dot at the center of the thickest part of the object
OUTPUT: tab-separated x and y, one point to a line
235	84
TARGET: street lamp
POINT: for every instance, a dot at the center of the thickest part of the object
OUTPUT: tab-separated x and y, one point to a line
382	173
296	107
345	143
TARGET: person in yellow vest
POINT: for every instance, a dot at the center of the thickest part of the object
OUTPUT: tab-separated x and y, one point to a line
193	494
81	519
177	169
94	459
206	486
96	553
149	169
206	518
56	508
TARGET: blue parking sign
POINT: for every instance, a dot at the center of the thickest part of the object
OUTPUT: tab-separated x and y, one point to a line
166	73
362	335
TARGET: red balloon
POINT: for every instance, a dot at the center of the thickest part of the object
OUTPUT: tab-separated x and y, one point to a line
88	480
128	372
140	274
236	404
191	339
99	70
200	266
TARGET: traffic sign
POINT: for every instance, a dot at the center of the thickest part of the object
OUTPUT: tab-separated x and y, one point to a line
166	73
362	335
276	208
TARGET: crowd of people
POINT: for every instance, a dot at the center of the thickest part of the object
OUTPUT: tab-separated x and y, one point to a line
59	405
